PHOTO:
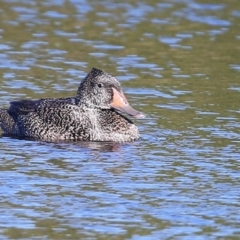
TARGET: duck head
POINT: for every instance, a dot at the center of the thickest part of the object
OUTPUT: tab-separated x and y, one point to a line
101	90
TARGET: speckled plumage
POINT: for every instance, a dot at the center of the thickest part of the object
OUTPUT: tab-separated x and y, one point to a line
87	117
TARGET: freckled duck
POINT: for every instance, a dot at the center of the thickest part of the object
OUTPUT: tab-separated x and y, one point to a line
93	115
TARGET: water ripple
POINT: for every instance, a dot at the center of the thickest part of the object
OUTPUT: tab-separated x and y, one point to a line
176	63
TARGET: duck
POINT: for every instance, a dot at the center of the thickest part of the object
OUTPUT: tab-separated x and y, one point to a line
97	113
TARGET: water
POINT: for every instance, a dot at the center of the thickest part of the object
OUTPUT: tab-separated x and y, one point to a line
178	62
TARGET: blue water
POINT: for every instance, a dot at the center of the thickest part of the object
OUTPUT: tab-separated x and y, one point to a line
178	62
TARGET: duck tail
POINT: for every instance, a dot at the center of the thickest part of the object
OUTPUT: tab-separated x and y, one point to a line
2	112
6	121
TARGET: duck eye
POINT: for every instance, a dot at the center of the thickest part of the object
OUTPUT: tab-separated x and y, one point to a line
99	85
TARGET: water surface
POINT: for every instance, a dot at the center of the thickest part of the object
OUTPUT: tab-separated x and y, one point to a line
178	62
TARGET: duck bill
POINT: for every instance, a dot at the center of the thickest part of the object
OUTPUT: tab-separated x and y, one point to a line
120	103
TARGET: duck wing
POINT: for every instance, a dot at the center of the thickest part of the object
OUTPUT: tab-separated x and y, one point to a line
50	119
57	112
